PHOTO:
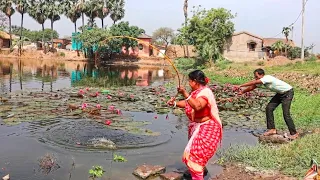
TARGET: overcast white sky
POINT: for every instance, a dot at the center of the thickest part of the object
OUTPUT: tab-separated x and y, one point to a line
265	18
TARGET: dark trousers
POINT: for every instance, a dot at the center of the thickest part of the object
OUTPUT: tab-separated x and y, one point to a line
284	99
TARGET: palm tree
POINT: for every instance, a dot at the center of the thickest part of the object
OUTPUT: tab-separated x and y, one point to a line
72	12
185	11
117	10
7	9
54	10
279	45
286	32
103	11
22	7
91	11
38	11
81	6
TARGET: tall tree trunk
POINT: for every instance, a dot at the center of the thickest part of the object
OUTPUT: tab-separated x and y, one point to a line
10	79
184	50
43	44
75	30
82	21
10	43
185	10
20	74
52	34
21	43
92	20
102	23
185	24
75	27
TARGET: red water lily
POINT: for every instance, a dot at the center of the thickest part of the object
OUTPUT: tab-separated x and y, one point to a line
98	106
84	105
111	108
155	117
81	91
109	97
119	112
87	89
107	122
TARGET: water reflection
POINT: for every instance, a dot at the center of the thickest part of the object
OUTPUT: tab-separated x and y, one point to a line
43	75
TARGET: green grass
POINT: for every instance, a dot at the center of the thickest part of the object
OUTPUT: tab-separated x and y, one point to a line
185	63
305	110
225	79
308	67
291	159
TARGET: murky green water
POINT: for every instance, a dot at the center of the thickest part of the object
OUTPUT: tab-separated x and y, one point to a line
140	137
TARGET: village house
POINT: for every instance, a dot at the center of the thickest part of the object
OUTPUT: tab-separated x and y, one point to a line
61	43
4	40
268	42
143	49
245	46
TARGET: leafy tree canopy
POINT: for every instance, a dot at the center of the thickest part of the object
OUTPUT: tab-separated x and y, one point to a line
209	30
3	21
163	36
124	29
35	36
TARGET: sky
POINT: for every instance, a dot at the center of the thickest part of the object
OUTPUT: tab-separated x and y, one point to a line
264	18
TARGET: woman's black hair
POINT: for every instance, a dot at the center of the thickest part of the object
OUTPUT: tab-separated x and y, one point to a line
198	76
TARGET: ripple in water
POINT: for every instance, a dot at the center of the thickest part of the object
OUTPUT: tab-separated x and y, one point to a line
90	135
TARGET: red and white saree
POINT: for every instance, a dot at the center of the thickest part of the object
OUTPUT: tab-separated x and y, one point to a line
205	137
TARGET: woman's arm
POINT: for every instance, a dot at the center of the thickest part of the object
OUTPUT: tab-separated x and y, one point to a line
197	103
181	104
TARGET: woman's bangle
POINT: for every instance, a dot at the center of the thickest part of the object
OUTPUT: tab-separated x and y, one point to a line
188	98
175	104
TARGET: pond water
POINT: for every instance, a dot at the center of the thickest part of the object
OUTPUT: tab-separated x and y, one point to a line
22	145
17	75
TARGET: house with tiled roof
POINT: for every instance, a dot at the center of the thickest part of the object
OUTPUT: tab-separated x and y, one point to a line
143	49
245	46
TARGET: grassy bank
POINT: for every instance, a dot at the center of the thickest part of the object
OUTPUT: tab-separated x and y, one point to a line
291	159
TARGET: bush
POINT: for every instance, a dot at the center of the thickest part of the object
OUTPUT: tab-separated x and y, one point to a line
311	58
260	63
185	63
295	52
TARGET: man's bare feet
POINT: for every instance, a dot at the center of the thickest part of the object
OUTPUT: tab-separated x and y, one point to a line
270	132
293	137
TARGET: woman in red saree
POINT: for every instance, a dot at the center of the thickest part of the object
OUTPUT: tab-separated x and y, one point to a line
205	129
